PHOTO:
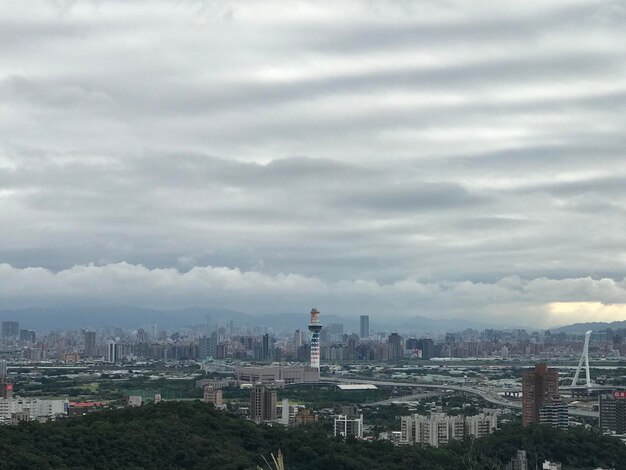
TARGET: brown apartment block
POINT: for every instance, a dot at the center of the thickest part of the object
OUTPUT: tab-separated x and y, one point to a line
263	403
538	385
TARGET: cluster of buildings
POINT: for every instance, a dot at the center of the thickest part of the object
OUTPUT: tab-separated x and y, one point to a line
16	409
261	344
541	402
439	429
264	407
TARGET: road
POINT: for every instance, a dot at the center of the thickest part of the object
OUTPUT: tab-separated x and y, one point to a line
485	393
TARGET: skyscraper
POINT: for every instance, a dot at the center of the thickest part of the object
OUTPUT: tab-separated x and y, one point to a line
90	343
539	385
298	339
10	329
111	351
395	342
365	326
267	347
613	412
427	346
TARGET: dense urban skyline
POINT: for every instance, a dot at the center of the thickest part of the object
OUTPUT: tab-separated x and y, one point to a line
453	160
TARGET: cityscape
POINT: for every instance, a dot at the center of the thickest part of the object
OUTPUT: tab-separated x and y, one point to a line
404	388
312	235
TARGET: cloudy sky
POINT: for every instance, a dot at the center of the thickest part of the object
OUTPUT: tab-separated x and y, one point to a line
443	158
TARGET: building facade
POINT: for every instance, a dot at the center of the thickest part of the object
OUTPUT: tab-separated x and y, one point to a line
555	413
538	385
613	412
263	403
439	428
349	426
277	374
364	330
90	343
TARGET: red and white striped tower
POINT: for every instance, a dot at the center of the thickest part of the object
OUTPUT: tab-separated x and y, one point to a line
315	327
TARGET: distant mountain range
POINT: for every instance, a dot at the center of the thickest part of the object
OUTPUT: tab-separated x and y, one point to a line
584	327
129	317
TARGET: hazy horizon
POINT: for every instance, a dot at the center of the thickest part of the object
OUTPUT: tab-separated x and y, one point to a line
442	159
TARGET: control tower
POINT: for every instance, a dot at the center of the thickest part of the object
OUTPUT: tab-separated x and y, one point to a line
314	327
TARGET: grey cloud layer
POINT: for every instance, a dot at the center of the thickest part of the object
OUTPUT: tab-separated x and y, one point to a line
252	290
330	142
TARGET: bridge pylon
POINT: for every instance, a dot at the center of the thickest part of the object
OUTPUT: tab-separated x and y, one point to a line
584	357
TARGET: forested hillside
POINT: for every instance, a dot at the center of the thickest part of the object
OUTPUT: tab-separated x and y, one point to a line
191	435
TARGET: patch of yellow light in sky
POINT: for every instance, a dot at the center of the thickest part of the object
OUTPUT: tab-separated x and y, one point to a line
575	312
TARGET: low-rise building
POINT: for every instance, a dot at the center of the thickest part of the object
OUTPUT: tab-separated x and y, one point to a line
277	375
439	428
213	395
34	408
349	426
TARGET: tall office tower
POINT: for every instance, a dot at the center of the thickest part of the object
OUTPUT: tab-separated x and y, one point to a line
263	403
395	341
90	343
10	329
142	336
3	379
427	346
314	327
365	326
298	339
204	347
267	347
27	336
538	385
613	412
111	351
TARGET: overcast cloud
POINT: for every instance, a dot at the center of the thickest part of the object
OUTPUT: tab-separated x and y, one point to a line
446	159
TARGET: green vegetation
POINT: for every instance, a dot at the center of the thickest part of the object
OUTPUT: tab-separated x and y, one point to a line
190	435
107	387
327	397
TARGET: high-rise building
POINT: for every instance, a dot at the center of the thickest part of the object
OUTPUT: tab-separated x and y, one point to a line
481	424
395	342
27	336
111	355
427	347
90	343
613	412
538	385
263	403
3	379
439	428
555	413
365	326
10	329
298	339
434	430
267	347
